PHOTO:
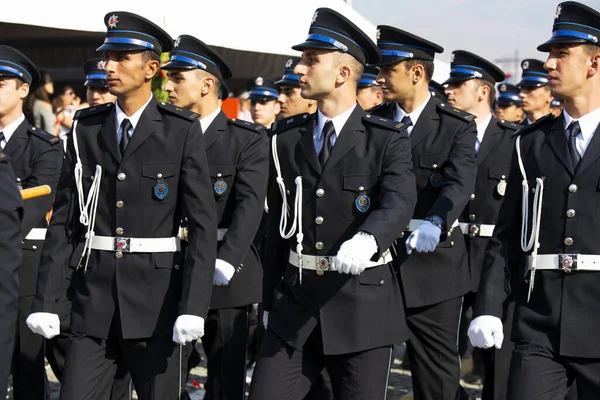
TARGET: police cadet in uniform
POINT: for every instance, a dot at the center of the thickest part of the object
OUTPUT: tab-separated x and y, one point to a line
331	298
546	234
11	213
36	158
508	104
131	170
475	95
96	88
263	94
534	91
290	100
369	93
436	276
238	159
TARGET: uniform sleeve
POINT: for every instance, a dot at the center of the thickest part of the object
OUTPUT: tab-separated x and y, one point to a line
46	168
397	194
200	209
458	176
250	192
503	255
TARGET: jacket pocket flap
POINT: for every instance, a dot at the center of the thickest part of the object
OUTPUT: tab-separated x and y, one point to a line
355	182
153	170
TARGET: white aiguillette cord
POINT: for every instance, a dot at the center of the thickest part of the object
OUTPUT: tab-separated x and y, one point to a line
87	209
297	218
533	241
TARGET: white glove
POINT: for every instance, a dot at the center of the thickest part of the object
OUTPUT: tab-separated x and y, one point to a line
188	328
45	324
424	239
223	273
355	254
486	331
265	319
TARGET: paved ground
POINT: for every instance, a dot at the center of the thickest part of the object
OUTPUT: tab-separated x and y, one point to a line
400	387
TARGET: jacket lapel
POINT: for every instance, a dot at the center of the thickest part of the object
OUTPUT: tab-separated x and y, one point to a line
591	153
214	130
351	133
427	123
558	141
108	133
15	146
307	144
492	136
144	128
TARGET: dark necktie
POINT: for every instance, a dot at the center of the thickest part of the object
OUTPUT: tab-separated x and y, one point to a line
573	130
407	121
1	139
125	127
328	130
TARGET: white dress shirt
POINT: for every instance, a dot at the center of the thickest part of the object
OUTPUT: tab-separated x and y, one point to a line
414	116
206	121
588	124
134	118
481	127
10	129
338	124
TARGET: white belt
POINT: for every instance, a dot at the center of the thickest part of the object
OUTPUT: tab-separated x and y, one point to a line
183	233
566	262
414	224
477	230
36	234
325	263
136	245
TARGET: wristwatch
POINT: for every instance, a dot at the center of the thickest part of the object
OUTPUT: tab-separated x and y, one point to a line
437	221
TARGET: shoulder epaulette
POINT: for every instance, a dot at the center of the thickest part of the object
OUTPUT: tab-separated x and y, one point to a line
4	157
384	122
378	107
456	112
181	112
510	125
288	123
45	136
534	126
247	125
86	112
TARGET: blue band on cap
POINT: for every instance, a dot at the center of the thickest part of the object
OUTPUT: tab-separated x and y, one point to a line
513	97
188	60
537	79
264	92
290	77
19	71
396	53
406	45
367	82
542	74
585	36
331	41
339	34
96	76
466	71
124	40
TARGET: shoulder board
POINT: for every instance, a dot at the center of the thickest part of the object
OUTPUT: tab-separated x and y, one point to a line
182	112
378	107
456	112
509	125
288	123
247	125
86	112
4	157
534	126
45	136
384	122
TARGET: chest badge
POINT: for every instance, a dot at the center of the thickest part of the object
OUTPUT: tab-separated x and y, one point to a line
220	186
435	178
161	189
362	202
501	186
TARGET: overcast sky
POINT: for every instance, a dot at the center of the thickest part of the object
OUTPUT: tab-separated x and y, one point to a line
493	29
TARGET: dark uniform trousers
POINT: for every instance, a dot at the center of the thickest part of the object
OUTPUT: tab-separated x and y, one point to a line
11	213
238	158
443	156
343	323
493	166
124	305
555	332
36	158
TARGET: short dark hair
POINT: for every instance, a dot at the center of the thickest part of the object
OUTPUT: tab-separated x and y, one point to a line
150	55
427	65
590	50
489	85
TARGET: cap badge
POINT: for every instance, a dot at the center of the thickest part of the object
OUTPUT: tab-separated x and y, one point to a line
288	63
314	18
525	64
378	34
558	11
113	21
259	81
503	88
452	57
177	42
101	64
478	74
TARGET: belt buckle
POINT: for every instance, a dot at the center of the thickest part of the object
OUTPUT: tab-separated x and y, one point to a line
122	244
323	264
474	230
567	262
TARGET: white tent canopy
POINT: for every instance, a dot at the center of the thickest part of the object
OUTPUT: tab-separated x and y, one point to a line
268	27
